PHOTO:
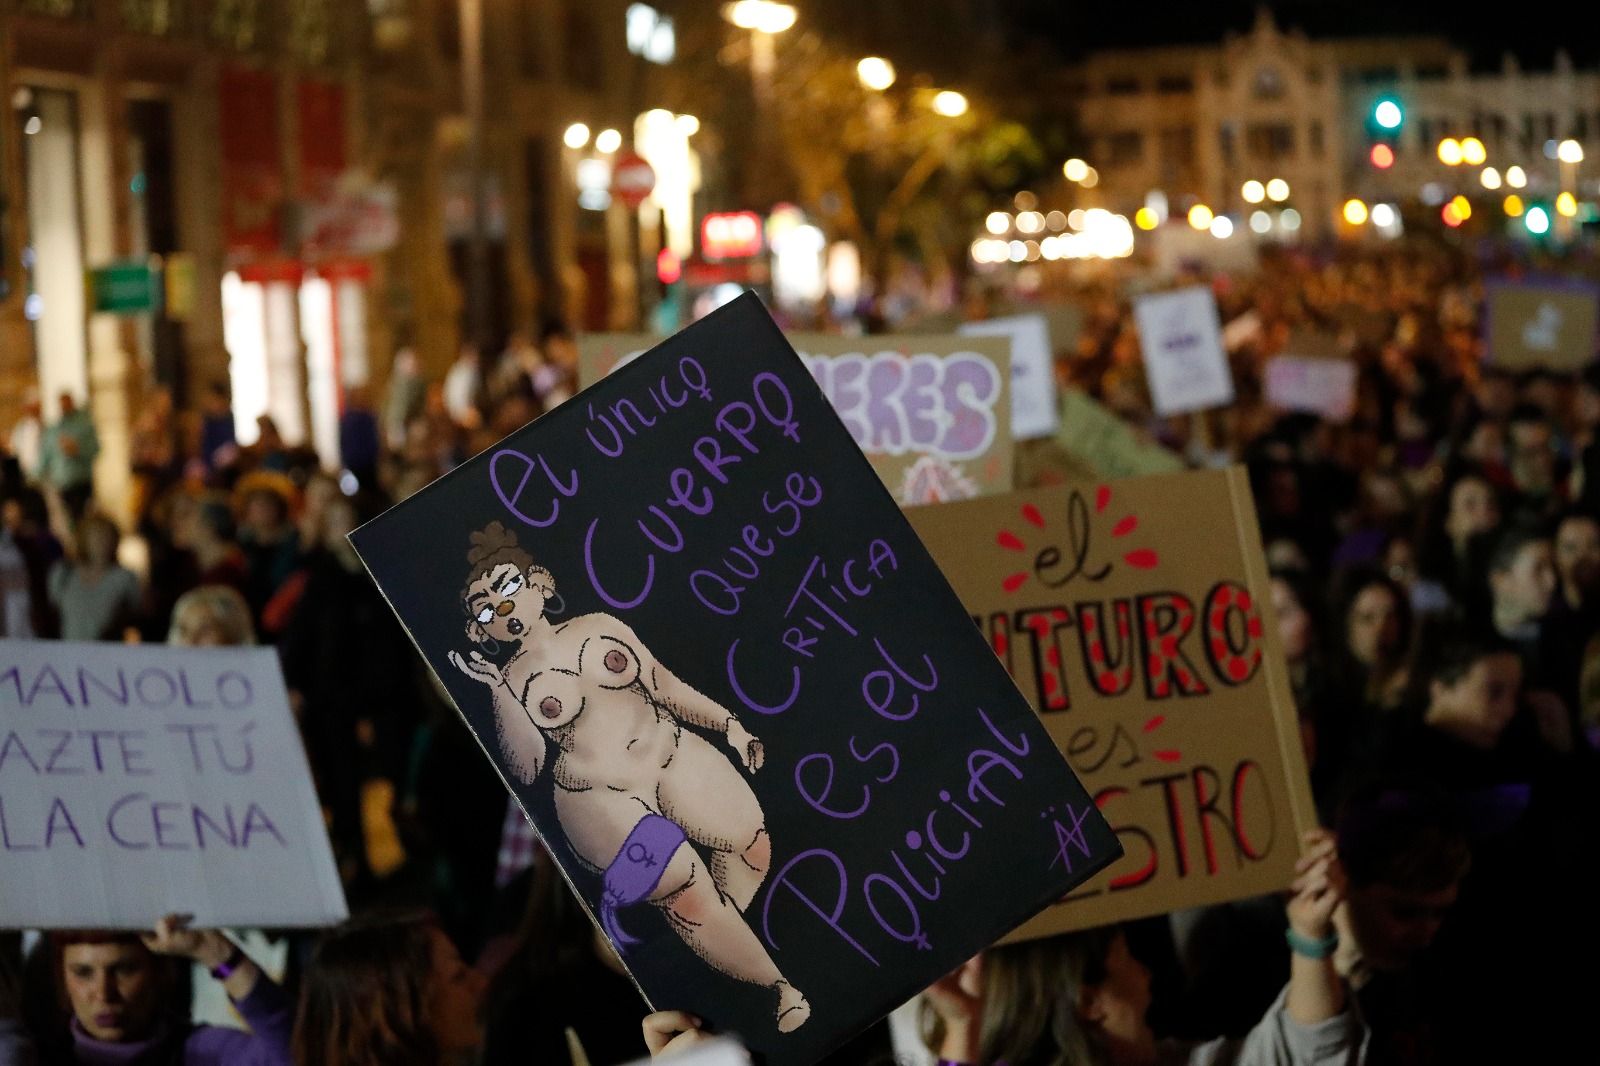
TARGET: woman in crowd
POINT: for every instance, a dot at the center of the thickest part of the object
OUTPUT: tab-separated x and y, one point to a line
119	999
211	616
95	596
389	990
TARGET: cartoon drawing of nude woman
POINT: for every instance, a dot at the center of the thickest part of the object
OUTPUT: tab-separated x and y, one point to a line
660	813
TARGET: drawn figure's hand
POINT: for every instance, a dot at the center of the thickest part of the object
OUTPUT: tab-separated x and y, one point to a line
750	751
478	668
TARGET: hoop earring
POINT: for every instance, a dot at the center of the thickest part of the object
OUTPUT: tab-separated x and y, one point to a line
489	644
561	604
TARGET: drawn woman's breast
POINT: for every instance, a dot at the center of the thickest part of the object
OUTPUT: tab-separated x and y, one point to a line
553	697
608	662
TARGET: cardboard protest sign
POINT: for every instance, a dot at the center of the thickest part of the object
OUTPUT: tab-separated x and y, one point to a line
675	613
932	414
138	781
1133	617
1181	341
1548	324
1325	387
1033	376
1106	444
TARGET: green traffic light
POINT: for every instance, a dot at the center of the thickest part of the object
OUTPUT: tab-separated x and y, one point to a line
1388	114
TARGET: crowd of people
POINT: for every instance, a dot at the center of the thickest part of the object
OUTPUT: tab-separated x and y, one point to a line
1435	575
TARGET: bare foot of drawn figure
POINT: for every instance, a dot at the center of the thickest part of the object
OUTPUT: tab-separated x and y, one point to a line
665	817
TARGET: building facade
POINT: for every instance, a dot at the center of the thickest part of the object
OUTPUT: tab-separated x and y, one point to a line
1197	123
298	176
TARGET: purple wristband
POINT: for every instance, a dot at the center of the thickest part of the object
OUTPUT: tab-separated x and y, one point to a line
224	970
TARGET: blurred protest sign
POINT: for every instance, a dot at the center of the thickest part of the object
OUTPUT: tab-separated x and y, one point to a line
746	713
1325	387
1108	445
1548	324
1033	378
1181	340
932	414
1133	616
138	780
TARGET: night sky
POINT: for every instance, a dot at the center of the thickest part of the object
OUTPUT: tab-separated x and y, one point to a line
1532	32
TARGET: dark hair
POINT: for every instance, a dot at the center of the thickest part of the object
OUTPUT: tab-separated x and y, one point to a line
553	327
1454	653
1412	841
1526	413
1509	544
365	997
1357	581
1589	377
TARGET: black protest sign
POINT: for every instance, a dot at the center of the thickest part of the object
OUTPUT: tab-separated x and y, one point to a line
748	715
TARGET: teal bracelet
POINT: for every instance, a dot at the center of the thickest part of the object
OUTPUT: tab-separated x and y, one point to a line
1311	949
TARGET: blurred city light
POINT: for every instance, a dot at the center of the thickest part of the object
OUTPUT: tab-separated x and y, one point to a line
997	222
1382	156
1355	212
1091	178
762	16
1463	208
876	73
577	136
1450	152
1567	205
1516	178
1537	221
1025	201
949	103
1383	215
607	141
1222	227
1513	205
1253	192
1076	218
1472	152
1056	221
1490	178
1277	190
1145	219
1075	169
1030	222
1570	151
688	125
1388	114
1260	221
1290	220
1200	217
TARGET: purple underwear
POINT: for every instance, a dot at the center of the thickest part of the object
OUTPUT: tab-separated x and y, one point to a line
636	871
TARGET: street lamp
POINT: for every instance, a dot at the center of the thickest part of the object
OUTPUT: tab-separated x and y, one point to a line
1075	169
761	16
607	141
764	19
1253	192
875	73
1516	177
1570	151
576	137
1277	190
1450	153
949	103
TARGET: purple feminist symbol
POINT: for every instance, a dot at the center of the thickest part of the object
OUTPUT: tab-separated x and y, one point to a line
636	871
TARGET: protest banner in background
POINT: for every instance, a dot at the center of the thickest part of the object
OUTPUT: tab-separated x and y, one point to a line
1325	387
1181	339
1033	375
1548	324
1133	616
138	781
678	616
1107	445
932	414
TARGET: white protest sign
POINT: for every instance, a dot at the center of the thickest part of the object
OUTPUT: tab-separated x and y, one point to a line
140	780
1181	339
1033	379
1325	387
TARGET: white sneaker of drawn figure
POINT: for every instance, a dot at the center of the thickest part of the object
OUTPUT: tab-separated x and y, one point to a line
793	1010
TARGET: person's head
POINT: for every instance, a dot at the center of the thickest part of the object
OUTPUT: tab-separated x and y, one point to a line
1496	393
211	616
1577	555
1522	575
1405	855
387	990
218	401
506	591
559	347
116	989
202	522
1293	603
98	538
1473	685
68	403
1472	508
265	511
1377	620
267	430
1064	999
1531	450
